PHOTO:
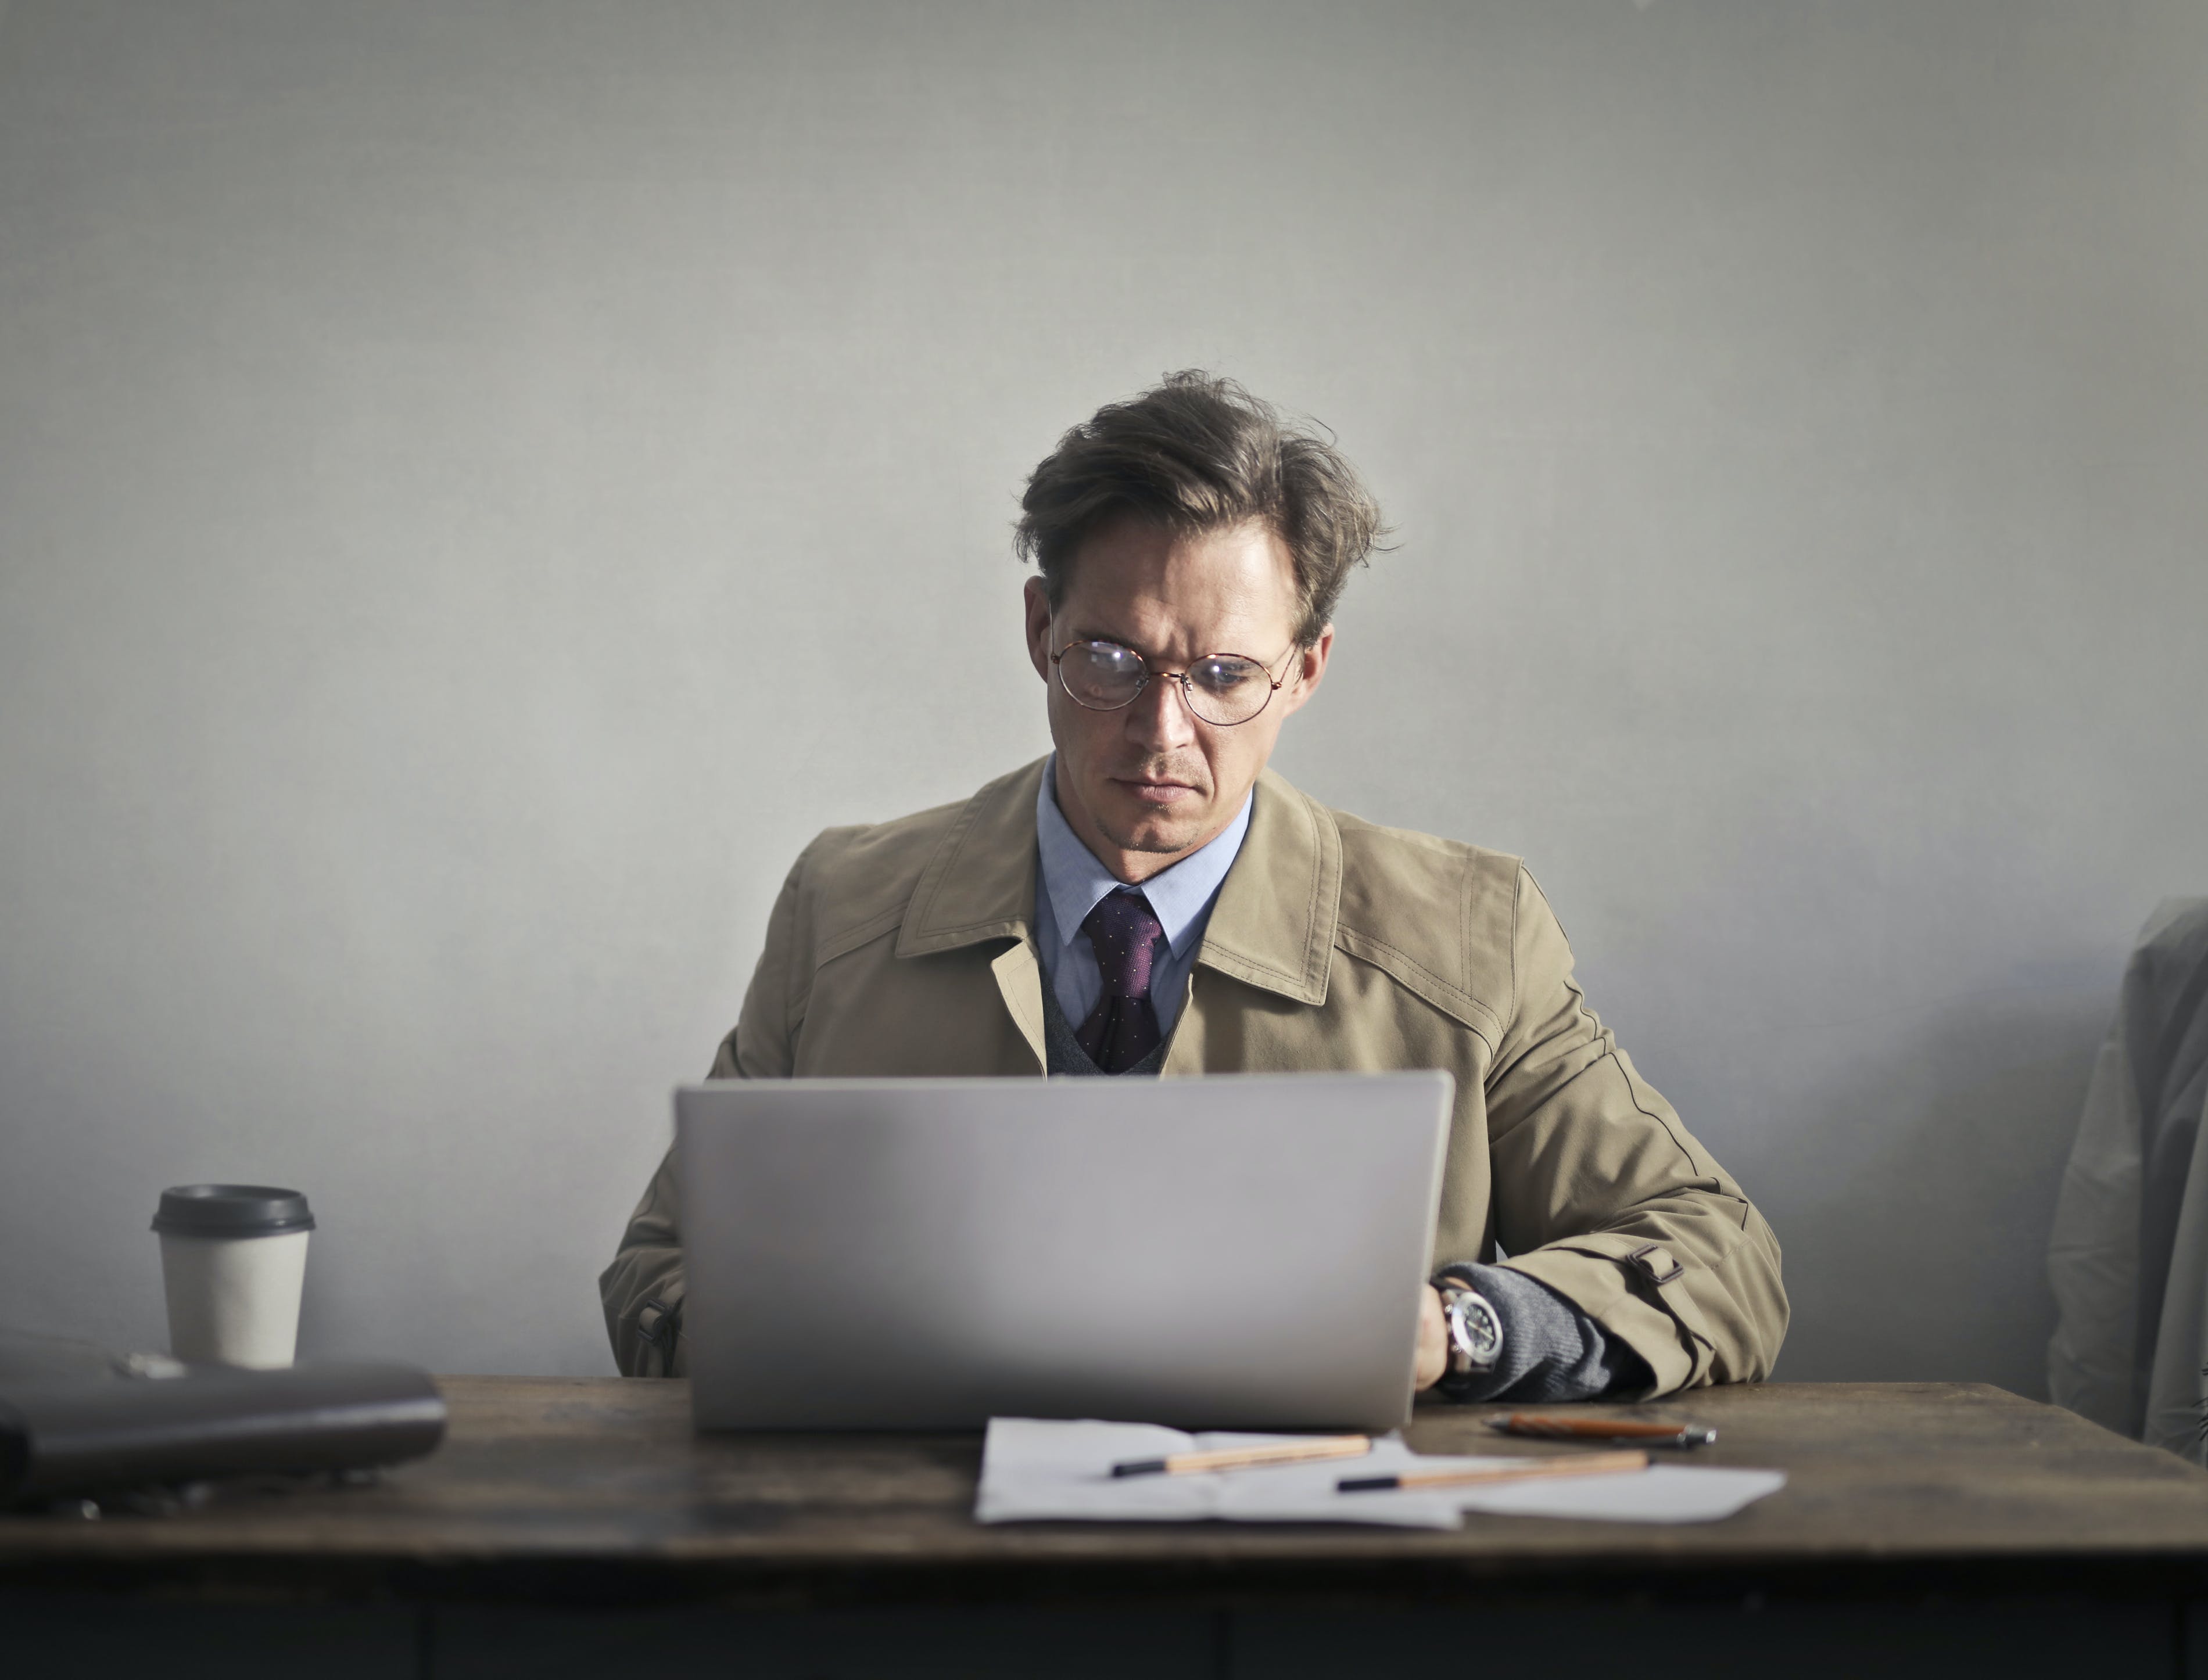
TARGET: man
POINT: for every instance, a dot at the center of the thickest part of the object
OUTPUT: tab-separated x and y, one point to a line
1151	899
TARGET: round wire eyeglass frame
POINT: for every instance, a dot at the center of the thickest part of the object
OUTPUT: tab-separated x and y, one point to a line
1187	695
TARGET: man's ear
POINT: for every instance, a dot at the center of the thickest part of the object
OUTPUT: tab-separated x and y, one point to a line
1037	602
1312	668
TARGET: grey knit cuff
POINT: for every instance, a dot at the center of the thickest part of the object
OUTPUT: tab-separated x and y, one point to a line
1551	1351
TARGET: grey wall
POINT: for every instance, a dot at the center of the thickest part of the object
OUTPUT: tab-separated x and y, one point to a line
481	483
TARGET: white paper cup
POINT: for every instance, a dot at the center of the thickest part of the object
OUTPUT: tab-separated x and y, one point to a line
233	1259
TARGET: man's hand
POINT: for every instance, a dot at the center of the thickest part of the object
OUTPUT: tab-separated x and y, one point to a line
1433	1340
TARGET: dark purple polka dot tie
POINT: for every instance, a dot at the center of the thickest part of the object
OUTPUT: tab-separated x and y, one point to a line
1123	1028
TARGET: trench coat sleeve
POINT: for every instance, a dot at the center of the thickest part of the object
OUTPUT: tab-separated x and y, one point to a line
1602	1194
642	1292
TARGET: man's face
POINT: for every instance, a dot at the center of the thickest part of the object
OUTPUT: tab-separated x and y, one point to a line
1147	784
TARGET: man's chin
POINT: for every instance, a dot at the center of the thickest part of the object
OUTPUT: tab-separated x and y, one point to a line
1157	832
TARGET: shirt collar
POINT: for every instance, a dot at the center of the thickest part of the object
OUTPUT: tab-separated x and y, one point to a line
1074	881
1274	924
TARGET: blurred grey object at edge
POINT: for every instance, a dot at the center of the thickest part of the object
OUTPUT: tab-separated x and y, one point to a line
68	1427
2128	1258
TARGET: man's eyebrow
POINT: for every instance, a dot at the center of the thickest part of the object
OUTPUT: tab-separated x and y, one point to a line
1083	635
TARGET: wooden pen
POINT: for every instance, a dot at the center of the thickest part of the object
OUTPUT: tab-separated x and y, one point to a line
1523	1470
1317	1447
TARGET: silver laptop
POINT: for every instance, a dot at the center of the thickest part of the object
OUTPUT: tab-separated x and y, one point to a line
1236	1251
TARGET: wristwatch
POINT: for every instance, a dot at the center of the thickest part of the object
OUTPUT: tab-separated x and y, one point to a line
1475	1332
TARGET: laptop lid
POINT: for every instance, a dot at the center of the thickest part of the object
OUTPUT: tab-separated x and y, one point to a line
1239	1249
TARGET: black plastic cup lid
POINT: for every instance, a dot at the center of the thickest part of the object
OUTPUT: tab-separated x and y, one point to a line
232	1211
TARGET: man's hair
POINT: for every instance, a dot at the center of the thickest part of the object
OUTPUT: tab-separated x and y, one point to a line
1196	454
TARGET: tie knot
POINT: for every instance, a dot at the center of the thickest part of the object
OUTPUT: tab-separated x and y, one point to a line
1124	932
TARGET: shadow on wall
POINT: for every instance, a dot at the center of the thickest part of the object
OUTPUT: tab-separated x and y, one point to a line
1926	1257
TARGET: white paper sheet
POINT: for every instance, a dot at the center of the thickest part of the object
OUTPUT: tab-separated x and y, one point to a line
1035	1469
1663	1492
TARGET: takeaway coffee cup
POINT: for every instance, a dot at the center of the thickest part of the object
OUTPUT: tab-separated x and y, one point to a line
232	1259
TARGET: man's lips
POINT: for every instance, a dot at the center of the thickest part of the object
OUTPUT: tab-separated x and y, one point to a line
1152	792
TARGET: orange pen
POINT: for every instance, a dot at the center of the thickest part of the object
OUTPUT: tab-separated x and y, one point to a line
1553	1426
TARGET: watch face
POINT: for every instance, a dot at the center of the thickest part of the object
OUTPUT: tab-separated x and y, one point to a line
1474	1329
1486	1334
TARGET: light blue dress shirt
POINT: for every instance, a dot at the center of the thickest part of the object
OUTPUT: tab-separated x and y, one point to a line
1070	881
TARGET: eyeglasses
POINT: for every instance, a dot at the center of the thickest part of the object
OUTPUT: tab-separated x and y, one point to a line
1221	688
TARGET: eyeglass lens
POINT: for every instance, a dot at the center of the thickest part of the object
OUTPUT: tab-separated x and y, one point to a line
1221	688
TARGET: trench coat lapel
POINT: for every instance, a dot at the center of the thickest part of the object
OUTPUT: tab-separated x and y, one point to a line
981	885
1273	922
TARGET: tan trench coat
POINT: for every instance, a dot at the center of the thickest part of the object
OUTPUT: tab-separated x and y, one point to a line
906	948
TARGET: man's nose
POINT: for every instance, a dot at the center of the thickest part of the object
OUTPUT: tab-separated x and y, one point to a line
1159	716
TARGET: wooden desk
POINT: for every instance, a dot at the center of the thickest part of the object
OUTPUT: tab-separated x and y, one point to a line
580	1528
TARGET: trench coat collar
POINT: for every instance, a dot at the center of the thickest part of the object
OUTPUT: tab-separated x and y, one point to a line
1272	926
